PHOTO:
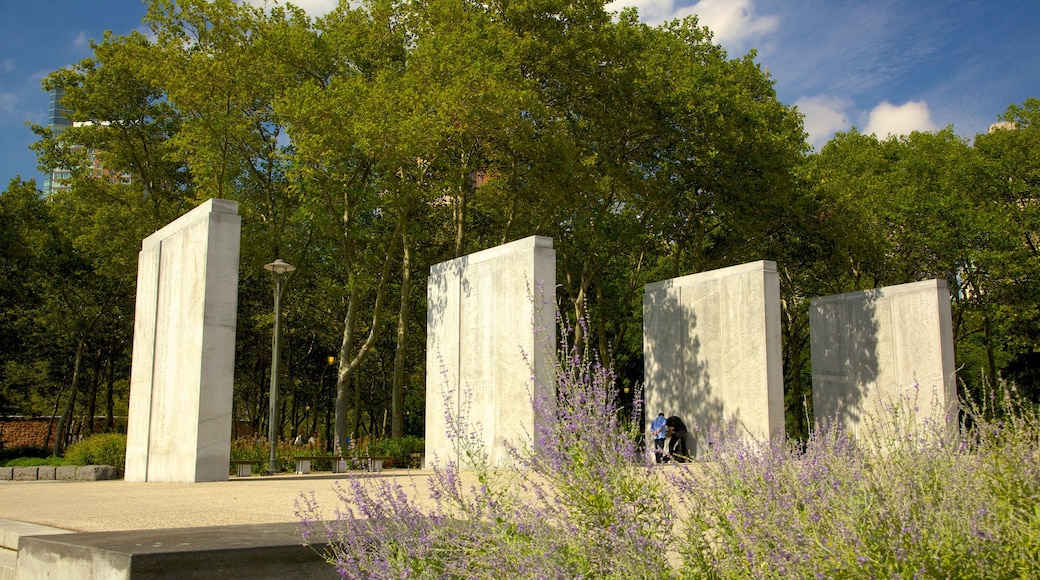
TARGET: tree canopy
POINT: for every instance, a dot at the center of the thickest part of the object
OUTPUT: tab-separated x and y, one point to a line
387	136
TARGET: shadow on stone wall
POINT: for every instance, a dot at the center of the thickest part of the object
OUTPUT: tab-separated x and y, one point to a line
679	380
844	342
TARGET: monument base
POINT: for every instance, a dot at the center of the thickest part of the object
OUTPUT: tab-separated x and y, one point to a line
249	551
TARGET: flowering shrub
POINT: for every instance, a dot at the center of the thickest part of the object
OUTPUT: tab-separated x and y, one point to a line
580	501
906	503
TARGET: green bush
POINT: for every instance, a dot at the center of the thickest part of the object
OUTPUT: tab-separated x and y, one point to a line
101	449
398	449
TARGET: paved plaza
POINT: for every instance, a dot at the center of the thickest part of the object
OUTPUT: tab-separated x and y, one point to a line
100	506
183	510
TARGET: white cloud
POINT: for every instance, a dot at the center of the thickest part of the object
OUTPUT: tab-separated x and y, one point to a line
81	40
313	8
732	21
651	11
7	65
887	119
147	33
824	116
8	102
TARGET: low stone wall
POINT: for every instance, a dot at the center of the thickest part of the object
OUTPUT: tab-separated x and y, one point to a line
60	473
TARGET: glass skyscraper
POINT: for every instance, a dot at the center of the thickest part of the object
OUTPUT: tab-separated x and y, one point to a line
57	121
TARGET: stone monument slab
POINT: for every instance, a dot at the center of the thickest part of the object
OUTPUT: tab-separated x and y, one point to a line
182	373
711	345
877	350
482	312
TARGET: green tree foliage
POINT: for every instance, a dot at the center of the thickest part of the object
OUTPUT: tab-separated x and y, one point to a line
26	240
930	205
387	136
1004	279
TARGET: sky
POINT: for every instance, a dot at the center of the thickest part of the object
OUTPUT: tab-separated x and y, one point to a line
886	67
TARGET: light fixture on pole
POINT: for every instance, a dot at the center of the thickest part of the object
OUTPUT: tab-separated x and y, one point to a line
279	268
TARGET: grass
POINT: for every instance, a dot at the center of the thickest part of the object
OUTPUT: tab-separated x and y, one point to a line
35	461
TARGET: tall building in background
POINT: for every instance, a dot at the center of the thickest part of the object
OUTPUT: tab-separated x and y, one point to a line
59	122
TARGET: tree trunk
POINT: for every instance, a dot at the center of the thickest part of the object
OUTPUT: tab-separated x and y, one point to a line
460	221
110	404
355	420
59	437
580	314
95	381
990	356
397	394
347	370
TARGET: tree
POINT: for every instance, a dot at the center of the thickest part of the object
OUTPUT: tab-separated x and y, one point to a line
26	240
1003	278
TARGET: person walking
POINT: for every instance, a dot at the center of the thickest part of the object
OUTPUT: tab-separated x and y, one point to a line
657	431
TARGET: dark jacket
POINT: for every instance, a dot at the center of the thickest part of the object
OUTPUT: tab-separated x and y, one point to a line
681	447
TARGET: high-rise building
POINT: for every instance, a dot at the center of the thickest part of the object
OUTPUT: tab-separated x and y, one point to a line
59	122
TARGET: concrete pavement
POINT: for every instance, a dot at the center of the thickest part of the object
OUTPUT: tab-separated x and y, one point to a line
208	529
101	506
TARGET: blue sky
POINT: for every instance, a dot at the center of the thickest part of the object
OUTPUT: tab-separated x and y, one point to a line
883	66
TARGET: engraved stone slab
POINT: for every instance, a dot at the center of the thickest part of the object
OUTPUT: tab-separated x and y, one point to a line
184	348
876	351
711	345
482	312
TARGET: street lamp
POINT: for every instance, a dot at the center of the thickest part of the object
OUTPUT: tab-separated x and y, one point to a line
279	268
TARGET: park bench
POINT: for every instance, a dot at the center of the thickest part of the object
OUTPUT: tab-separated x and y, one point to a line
303	462
244	467
373	463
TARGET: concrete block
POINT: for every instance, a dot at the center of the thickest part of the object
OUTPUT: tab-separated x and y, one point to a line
65	472
96	473
482	314
6	473
182	373
877	350
8	561
711	344
47	472
253	551
26	473
11	532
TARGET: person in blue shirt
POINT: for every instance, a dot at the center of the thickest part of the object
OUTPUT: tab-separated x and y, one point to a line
657	430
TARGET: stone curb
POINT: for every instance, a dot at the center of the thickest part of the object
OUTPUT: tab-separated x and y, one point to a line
60	472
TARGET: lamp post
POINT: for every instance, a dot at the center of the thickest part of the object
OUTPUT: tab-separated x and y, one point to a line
279	268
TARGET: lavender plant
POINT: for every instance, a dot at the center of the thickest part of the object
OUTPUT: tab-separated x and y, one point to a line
910	502
911	499
579	500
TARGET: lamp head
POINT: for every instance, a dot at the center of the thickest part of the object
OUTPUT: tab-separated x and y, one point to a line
279	267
